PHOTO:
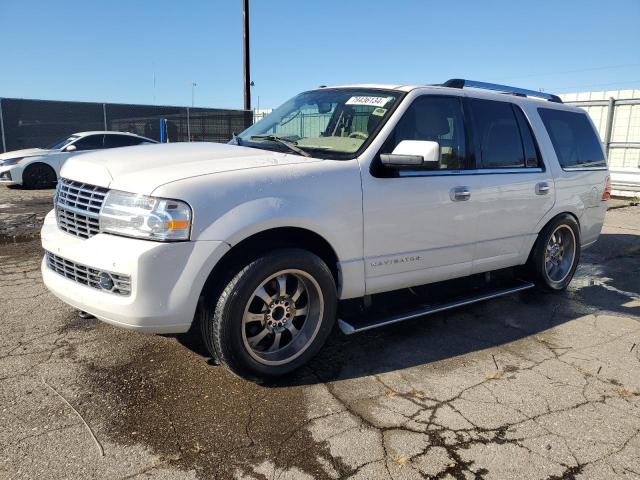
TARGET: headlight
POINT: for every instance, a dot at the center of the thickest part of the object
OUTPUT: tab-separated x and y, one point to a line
11	161
141	216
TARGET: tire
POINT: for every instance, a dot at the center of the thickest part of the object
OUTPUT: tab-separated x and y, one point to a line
39	175
273	316
556	253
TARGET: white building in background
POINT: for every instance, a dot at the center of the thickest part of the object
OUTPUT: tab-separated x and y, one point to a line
616	114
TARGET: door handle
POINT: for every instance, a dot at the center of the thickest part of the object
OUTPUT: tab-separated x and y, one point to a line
460	194
542	188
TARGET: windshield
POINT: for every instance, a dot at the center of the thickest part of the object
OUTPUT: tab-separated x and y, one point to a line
331	123
63	142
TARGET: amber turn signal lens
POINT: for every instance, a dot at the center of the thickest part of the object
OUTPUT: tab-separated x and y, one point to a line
177	224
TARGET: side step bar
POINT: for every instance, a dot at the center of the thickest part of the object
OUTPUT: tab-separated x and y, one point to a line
357	325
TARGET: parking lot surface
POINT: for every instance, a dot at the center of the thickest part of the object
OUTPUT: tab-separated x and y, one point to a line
532	386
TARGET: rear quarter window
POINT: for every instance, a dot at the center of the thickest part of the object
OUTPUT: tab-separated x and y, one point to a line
574	140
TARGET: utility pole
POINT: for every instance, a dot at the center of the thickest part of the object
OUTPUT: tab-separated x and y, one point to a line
193	92
245	52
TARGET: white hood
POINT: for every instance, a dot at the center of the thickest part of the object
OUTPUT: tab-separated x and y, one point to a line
142	169
27	152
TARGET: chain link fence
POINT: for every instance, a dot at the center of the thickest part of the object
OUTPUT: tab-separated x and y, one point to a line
39	123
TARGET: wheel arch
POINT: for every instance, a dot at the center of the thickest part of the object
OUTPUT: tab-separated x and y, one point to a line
254	245
39	162
543	226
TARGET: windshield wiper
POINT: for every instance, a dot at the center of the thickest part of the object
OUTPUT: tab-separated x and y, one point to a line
290	144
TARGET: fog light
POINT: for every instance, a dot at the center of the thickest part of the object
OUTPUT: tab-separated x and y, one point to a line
106	282
5	175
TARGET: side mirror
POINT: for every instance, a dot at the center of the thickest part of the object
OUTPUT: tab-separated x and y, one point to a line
413	154
70	148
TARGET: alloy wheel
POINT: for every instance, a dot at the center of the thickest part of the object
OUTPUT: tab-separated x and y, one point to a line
560	253
282	317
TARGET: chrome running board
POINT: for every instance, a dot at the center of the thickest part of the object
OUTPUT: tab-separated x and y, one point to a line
357	325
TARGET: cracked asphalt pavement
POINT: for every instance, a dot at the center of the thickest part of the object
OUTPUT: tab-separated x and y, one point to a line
531	386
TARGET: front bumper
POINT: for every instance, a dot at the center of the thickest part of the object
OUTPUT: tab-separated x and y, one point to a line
11	175
166	278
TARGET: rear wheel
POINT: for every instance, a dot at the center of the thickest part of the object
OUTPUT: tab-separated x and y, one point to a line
556	253
39	175
273	315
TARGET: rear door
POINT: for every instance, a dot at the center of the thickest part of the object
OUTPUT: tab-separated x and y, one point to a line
517	188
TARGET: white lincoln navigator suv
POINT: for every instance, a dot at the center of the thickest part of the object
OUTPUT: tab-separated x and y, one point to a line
339	201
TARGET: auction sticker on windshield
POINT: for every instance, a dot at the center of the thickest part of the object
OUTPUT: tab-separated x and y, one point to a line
366	100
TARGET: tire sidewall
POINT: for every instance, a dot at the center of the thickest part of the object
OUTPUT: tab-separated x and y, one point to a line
539	257
230	313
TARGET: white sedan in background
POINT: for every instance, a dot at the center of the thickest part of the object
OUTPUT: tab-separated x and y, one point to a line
40	167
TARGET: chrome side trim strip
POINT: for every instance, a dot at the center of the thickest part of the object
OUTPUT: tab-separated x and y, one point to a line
583	169
477	171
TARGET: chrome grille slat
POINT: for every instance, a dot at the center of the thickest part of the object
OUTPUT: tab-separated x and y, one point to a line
78	207
86	275
77	203
96	200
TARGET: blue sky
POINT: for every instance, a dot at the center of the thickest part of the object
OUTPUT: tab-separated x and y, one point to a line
108	50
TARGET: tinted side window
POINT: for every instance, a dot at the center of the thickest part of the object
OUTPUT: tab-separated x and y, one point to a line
498	134
113	141
531	151
91	142
438	119
574	139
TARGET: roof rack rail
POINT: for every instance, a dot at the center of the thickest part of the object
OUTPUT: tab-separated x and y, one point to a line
521	92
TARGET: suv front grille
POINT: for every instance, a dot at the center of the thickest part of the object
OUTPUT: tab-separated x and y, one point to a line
78	206
98	279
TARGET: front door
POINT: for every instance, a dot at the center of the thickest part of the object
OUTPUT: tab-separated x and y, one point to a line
84	144
420	226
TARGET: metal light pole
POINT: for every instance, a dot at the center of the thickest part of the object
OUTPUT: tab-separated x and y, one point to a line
193	92
245	52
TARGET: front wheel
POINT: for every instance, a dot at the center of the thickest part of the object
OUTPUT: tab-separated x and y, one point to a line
39	175
556	253
273	316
